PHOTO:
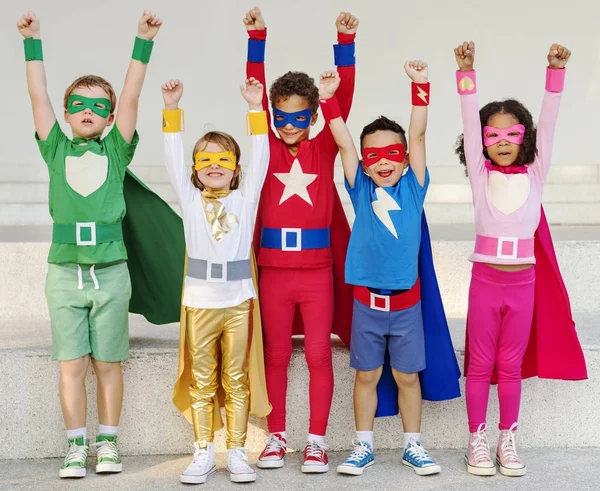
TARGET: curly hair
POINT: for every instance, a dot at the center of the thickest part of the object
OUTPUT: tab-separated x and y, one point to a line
295	83
528	150
383	124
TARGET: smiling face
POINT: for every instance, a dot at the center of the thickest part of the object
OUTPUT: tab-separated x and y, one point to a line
502	153
386	172
86	123
290	134
215	177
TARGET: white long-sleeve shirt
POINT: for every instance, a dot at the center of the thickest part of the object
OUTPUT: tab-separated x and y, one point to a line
236	244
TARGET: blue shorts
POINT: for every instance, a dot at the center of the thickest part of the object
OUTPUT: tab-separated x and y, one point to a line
401	332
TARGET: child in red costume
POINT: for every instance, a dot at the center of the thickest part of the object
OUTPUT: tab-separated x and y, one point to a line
301	238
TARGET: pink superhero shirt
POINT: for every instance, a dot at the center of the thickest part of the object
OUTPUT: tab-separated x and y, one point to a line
507	205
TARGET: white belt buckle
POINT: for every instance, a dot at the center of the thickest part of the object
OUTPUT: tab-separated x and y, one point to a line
209	269
297	232
385	298
505	240
78	239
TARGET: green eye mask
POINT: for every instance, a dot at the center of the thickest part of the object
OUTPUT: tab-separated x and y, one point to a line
100	106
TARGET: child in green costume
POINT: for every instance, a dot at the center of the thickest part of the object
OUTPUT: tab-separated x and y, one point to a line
88	286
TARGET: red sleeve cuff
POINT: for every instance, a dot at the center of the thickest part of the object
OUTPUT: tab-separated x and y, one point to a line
258	35
345	38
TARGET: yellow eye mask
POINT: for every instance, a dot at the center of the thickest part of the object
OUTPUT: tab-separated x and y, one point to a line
223	159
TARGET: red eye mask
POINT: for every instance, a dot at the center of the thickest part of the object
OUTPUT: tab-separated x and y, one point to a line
394	152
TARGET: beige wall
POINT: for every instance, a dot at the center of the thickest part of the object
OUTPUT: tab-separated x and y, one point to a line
204	44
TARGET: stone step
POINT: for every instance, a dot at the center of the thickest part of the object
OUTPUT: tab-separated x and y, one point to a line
548	470
150	424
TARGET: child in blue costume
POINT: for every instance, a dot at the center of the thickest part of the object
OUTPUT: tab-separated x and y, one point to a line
390	321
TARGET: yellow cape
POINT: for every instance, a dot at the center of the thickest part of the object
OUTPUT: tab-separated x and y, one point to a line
259	401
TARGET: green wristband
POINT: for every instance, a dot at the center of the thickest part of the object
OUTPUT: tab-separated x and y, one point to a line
33	49
142	49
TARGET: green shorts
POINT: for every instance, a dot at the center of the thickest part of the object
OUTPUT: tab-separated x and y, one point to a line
89	310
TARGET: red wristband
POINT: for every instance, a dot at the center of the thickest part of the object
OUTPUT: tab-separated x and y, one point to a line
258	34
343	38
420	94
330	109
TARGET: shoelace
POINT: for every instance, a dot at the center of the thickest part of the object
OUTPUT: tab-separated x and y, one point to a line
106	450
509	446
360	451
480	445
418	452
76	453
314	449
200	455
274	444
238	459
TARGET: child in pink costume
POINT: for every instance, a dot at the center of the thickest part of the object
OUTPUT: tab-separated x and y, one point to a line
507	172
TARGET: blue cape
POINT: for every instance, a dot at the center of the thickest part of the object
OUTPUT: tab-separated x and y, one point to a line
439	381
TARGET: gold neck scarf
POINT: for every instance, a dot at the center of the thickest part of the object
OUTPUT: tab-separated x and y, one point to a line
220	221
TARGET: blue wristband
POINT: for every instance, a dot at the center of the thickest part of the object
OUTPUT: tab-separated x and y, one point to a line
256	51
344	54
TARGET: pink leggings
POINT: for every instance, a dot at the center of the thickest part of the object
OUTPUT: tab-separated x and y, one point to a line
500	316
281	290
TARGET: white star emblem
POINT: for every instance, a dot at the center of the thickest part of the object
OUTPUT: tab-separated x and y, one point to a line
296	182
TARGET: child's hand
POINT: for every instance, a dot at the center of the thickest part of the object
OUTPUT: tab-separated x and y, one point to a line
253	20
149	25
346	23
29	26
417	70
465	56
558	56
172	90
328	84
252	91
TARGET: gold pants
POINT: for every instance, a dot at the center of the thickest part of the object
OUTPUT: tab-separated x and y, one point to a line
210	333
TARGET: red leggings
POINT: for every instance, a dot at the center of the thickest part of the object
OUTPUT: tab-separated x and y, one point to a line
281	289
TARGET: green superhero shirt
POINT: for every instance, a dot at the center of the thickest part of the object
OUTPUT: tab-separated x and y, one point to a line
86	185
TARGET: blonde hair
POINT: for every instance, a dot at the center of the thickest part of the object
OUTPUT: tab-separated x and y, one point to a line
228	144
89	81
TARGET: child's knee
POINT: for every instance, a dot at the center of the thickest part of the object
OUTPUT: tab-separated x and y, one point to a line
369	378
74	369
106	369
406	380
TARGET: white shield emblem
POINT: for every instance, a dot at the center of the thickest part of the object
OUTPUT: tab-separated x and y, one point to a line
87	173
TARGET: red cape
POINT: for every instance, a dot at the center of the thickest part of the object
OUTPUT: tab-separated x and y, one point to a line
342	293
554	351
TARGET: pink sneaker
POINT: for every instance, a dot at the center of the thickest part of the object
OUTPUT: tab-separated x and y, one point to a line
273	454
506	456
315	458
479	462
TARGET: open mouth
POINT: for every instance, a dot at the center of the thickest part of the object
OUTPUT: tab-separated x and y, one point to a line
504	155
385	173
214	174
87	121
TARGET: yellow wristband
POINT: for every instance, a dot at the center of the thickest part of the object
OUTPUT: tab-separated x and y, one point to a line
173	120
256	123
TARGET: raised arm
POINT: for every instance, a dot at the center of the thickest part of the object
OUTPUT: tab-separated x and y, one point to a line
418	72
252	183
558	56
43	114
255	64
127	110
328	85
179	173
344	54
467	88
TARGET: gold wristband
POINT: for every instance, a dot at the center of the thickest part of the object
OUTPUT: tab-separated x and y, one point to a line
256	123
173	120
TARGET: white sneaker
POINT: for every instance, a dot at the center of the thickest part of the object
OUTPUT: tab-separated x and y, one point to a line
237	465
202	466
507	458
477	458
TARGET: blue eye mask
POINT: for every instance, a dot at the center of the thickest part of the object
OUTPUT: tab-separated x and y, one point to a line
292	118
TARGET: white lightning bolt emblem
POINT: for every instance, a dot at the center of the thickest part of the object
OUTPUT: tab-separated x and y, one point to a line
382	206
422	95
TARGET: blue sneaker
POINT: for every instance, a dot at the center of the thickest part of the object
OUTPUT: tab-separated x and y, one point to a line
360	458
416	457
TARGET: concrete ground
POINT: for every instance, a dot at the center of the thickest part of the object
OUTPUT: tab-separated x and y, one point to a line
549	470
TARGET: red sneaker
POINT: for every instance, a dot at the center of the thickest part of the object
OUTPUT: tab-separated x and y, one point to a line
273	454
315	458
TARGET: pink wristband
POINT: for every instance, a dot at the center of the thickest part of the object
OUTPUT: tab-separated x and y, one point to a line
555	79
330	108
466	82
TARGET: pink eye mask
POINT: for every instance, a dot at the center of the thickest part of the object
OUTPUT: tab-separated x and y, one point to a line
514	134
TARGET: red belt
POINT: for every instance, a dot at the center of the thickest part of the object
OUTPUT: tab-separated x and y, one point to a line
389	303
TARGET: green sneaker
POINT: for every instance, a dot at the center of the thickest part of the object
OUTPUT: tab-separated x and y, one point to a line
108	457
76	459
